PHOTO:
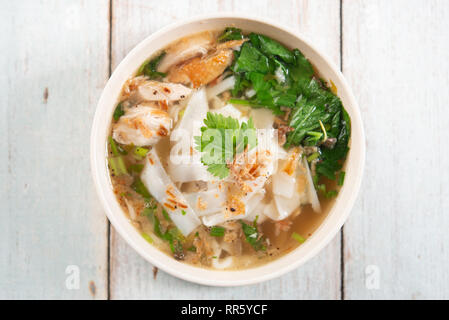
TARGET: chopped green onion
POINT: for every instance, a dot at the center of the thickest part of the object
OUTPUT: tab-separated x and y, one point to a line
165	214
217	231
315	179
192	249
141	152
322	188
197	234
113	146
255	221
137	167
118	112
147	212
122	166
298	237
341	178
117	165
313	156
147	237
331	194
183	212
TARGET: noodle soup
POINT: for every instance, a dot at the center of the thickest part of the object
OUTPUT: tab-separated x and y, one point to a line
226	149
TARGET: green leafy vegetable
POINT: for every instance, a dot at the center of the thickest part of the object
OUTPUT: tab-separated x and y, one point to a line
230	33
217	231
140	188
149	68
252	236
165	214
272	48
192	248
222	138
332	158
172	235
118	112
280	77
252	60
137	167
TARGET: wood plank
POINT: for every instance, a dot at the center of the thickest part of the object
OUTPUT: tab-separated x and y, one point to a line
131	276
395	58
54	65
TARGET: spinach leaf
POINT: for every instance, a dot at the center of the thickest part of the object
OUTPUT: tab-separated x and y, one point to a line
331	158
149	68
230	33
285	78
272	48
251	60
118	112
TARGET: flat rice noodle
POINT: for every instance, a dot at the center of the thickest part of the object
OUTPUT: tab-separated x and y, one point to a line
225	85
283	184
207	202
263	118
217	262
167	194
219	218
286	206
311	192
184	163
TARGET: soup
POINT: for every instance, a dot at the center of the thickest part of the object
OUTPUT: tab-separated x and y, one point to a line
227	149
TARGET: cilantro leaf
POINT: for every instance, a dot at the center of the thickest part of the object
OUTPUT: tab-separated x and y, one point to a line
252	236
222	138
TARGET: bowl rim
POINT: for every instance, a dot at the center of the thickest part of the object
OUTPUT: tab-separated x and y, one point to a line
214	277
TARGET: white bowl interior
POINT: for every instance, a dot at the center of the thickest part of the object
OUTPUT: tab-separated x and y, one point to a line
100	130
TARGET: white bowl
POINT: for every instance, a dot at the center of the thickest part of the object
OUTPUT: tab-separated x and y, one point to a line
101	125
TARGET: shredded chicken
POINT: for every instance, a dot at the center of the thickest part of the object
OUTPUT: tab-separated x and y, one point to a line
142	126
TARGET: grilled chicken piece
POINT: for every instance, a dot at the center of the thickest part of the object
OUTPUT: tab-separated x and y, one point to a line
185	49
142	126
201	71
232	44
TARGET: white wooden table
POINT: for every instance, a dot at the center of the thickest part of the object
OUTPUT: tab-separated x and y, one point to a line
55	58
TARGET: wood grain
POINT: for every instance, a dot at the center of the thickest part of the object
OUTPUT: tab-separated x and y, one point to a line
395	56
54	64
132	277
